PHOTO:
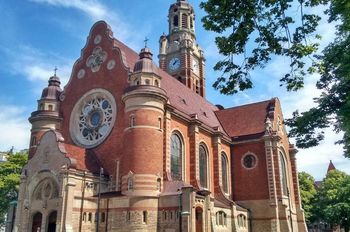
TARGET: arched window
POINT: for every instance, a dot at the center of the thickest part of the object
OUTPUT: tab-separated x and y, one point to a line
50	107
221	218
33	141
184	21
224	172
90	217
176	21
203	166
176	157
283	175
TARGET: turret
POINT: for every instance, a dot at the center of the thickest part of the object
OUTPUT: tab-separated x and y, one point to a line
46	116
144	114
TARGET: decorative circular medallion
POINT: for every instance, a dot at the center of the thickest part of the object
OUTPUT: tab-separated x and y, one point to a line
81	74
97	39
111	64
249	161
92	118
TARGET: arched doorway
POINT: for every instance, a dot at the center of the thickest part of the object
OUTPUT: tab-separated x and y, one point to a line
36	223
52	222
199	219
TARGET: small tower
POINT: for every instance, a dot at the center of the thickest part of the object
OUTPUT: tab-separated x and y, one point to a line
145	102
47	116
179	53
331	166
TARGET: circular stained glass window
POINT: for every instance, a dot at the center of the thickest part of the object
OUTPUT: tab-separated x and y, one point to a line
92	118
249	161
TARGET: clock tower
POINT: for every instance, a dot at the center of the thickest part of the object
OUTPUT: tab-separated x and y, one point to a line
179	53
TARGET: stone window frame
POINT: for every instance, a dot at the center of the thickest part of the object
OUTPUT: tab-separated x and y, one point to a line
178	133
205	147
256	160
228	169
221	218
283	172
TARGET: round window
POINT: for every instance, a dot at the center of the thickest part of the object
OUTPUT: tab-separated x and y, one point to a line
92	118
249	161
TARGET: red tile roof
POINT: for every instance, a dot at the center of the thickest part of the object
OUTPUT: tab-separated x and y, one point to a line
180	96
246	119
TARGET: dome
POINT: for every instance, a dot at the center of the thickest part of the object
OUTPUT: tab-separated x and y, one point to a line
53	90
145	63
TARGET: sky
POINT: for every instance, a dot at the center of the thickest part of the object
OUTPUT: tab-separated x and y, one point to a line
37	35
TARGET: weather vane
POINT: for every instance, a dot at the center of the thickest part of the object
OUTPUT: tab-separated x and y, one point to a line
55	70
146	40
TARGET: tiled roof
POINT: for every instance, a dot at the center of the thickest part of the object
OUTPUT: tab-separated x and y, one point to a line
331	166
180	96
246	119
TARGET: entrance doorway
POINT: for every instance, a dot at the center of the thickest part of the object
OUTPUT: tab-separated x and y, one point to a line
36	224
52	222
199	219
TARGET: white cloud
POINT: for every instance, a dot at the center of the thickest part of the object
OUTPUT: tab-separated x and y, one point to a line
92	8
37	66
14	127
95	10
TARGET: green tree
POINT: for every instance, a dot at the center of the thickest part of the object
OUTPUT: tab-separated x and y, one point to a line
10	172
307	194
259	30
333	199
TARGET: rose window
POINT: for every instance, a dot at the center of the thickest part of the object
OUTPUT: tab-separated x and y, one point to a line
92	118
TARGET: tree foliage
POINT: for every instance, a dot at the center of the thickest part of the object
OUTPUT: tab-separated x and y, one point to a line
262	29
333	199
10	172
307	194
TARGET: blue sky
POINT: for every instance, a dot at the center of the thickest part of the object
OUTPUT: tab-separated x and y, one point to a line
37	35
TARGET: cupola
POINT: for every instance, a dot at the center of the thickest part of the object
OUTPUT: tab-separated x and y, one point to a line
145	71
47	116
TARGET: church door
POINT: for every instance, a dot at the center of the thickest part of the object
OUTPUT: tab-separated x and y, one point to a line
52	222
36	224
199	219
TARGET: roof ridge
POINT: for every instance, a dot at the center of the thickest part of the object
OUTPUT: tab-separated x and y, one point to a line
249	104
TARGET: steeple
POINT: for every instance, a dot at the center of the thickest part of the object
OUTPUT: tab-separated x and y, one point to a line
179	53
47	115
331	166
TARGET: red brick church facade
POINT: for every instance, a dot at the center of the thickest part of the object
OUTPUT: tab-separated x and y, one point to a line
171	160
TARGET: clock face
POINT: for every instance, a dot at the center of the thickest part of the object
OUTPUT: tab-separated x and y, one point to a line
92	118
174	64
195	66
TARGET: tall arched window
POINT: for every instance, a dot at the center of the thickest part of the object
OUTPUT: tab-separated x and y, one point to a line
176	157
203	166
224	172
176	21
283	175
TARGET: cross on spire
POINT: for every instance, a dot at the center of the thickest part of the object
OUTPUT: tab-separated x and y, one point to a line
55	70
146	40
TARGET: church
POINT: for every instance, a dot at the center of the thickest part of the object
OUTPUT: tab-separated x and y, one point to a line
128	145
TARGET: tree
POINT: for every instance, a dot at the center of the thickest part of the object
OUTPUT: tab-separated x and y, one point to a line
333	199
307	194
10	172
261	29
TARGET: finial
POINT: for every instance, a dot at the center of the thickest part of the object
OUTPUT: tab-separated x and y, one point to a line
146	40
55	70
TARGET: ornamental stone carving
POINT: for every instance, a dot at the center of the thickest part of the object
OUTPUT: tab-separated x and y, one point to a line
95	60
